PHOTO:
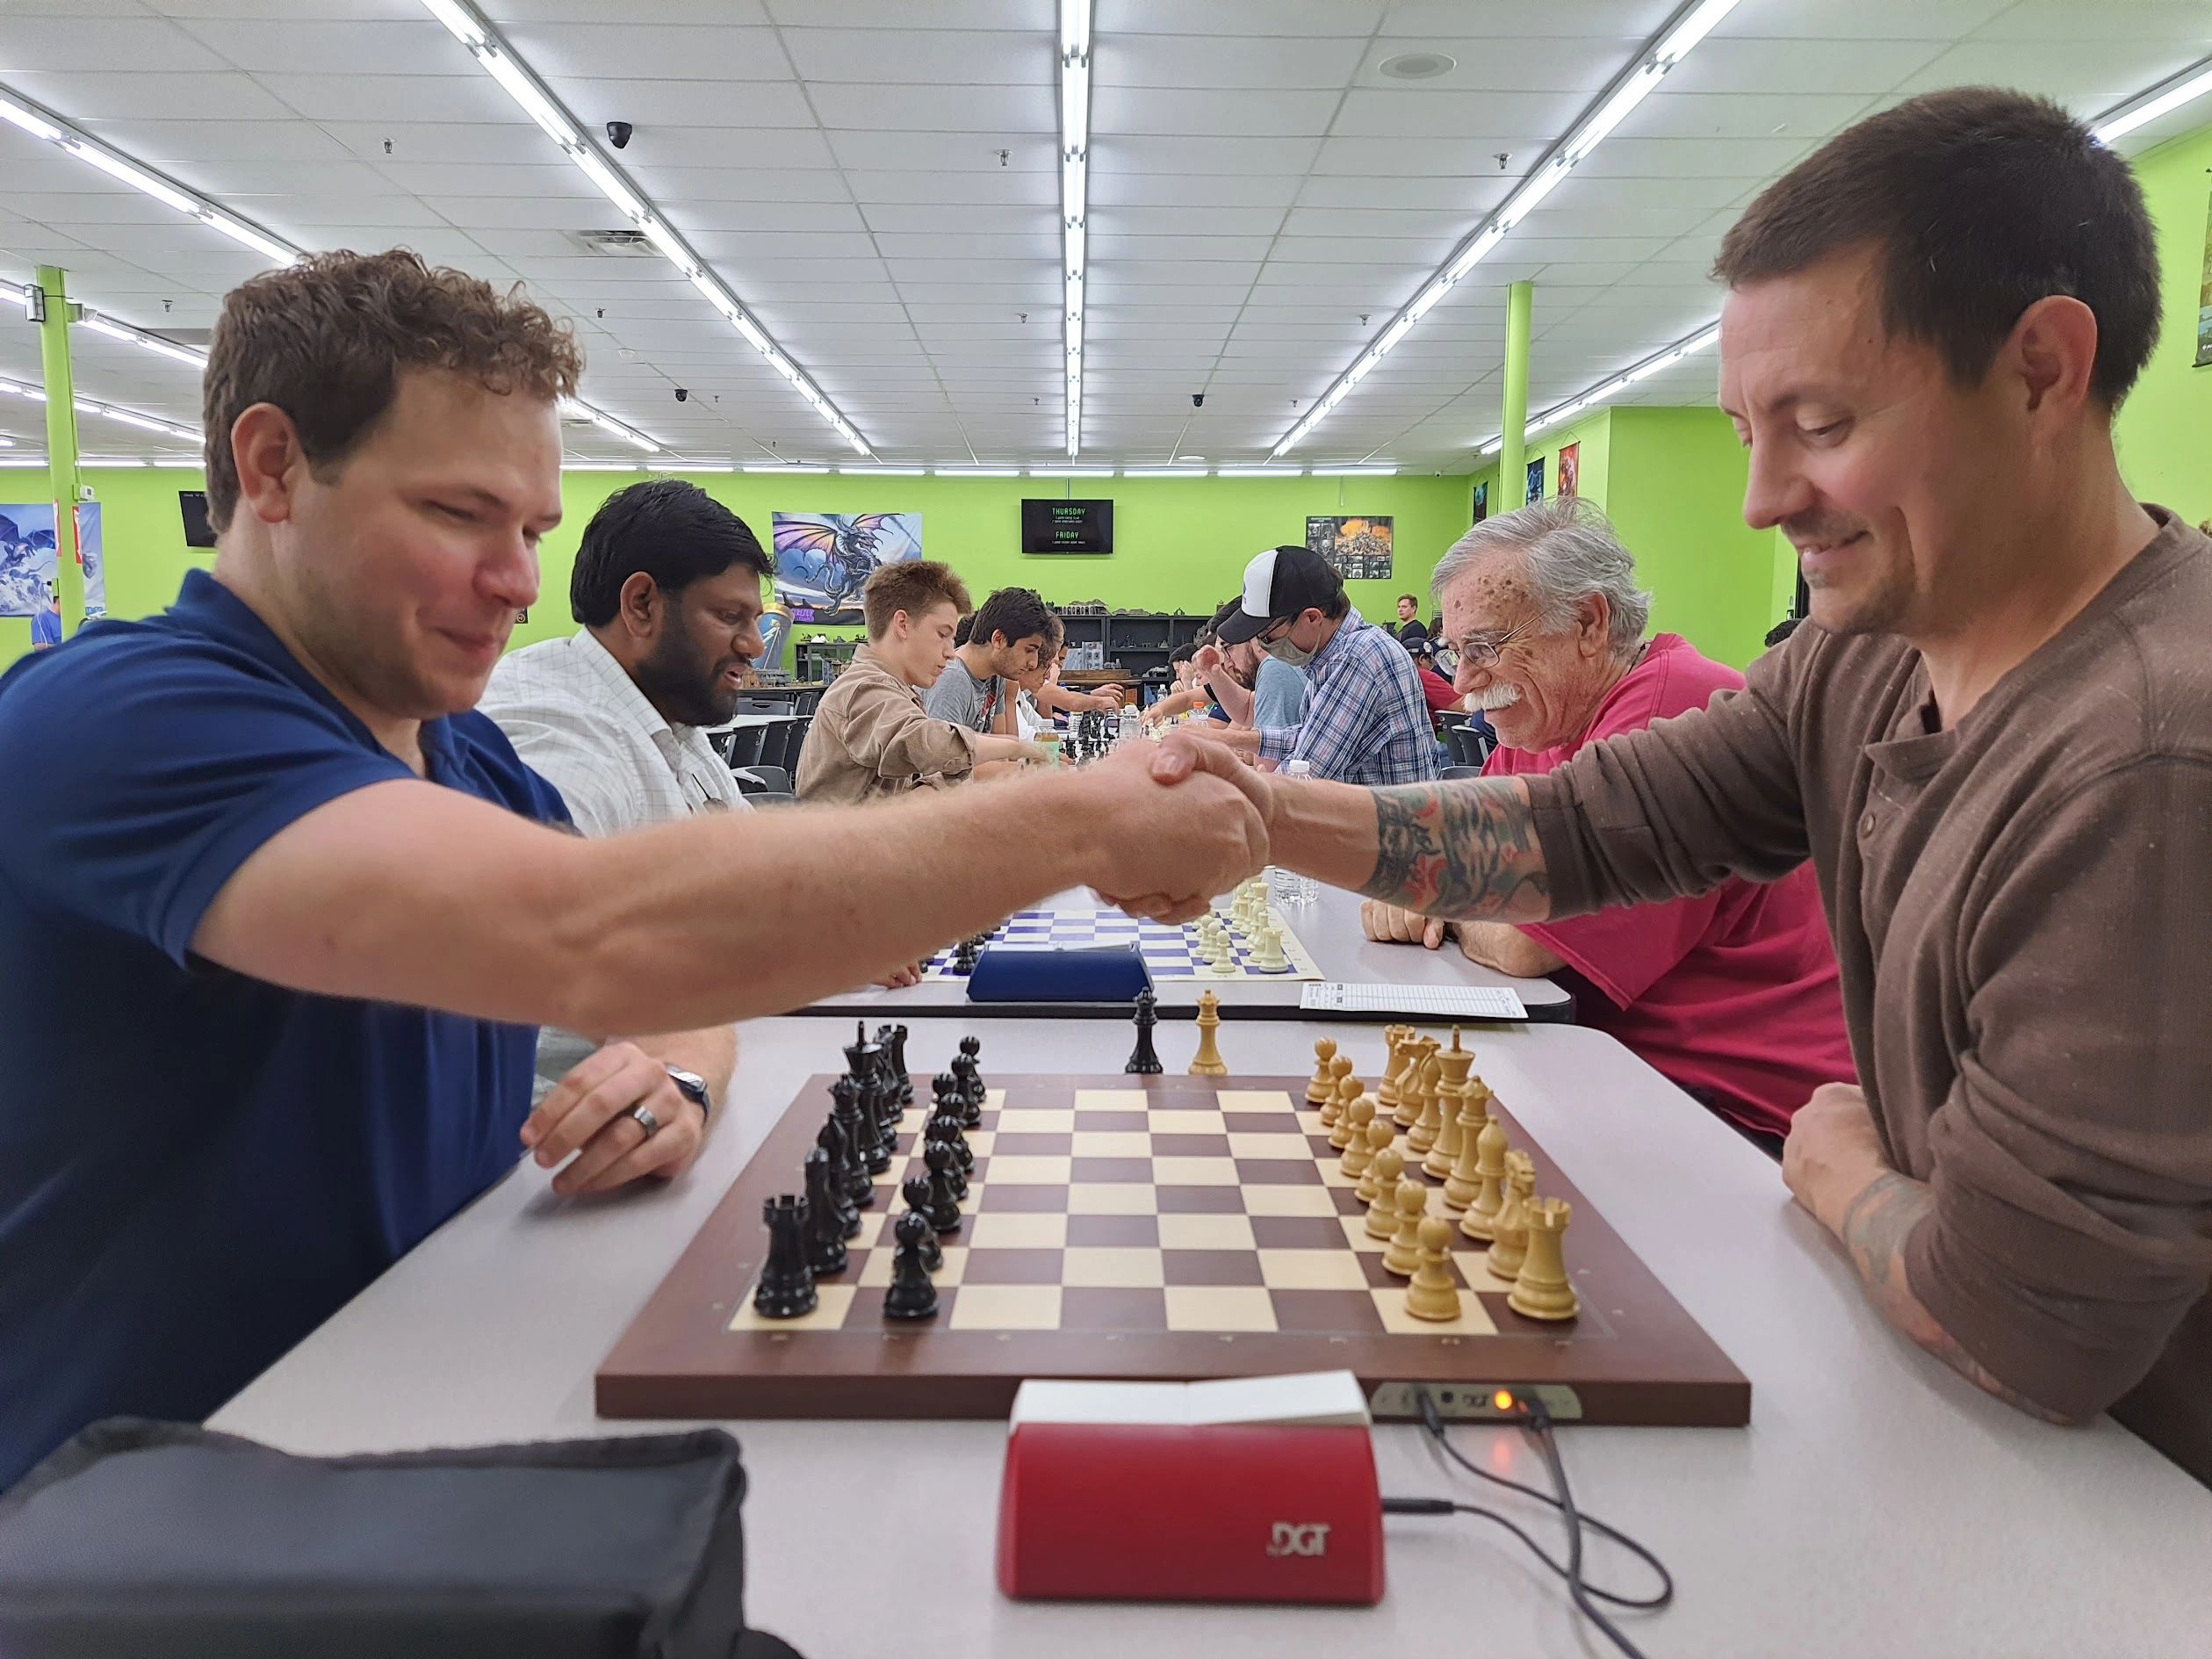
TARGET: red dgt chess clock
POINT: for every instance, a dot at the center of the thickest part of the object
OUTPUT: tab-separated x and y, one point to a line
1153	1513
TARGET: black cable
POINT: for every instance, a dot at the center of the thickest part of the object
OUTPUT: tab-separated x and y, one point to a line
1433	1422
1538	1422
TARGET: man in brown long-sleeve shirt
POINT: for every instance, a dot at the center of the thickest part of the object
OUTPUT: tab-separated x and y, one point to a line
871	736
1993	741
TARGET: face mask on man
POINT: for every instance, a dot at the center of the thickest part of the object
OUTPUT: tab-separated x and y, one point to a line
1283	650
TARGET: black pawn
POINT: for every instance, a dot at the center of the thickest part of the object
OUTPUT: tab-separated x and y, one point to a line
942	1130
943	1208
969	1088
946	1126
916	1188
1144	1059
911	1295
825	1229
832	1141
845	1114
972	1079
786	1290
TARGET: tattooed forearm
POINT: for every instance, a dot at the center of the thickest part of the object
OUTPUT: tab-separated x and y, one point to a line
1874	1230
1467	849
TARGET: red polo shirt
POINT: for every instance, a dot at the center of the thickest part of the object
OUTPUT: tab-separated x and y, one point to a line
1732	995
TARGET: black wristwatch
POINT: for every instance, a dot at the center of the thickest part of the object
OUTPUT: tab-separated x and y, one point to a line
693	1087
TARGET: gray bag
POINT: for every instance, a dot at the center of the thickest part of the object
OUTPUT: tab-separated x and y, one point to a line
162	1540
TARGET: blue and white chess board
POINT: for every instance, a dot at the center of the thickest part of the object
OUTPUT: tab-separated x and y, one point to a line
1170	952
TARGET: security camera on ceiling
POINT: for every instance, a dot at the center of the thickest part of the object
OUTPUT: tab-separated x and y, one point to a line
683	394
618	134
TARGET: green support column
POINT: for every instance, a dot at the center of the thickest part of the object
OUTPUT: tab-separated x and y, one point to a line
61	442
1513	476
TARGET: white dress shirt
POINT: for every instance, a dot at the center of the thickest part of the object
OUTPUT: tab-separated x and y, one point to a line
576	718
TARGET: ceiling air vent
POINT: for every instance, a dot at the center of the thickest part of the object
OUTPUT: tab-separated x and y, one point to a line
618	244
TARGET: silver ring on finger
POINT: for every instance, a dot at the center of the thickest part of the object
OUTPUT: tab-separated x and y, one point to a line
645	1121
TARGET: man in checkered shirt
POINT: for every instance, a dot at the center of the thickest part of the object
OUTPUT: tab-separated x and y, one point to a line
1366	720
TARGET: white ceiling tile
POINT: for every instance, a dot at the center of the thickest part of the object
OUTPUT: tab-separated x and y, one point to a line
961	220
412	45
2089	75
1666	114
1867	19
665	159
1239	113
1037	190
1254	17
1040	245
2071	22
74	44
1526	117
1749	160
937	109
397	99
1108	222
1113	153
1272	62
99	94
659	105
1175	190
638	51
1581	64
938	14
946	57
955	152
1864	67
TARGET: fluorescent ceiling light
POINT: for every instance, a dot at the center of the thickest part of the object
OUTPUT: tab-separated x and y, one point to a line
885	472
602	466
1692	24
500	62
2147	107
977	471
1608	389
1075	174
1071	471
1260	472
1355	472
782	466
1163	471
93	406
22	460
7	444
177	460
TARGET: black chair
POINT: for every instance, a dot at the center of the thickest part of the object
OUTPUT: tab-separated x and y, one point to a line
783	748
762	705
743	744
1470	744
806	702
1452	772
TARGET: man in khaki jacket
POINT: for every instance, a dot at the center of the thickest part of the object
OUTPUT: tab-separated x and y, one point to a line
871	736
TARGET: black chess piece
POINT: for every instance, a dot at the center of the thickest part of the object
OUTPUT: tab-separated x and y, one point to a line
943	1208
1144	1060
916	1190
940	1130
971	1079
825	1228
831	1140
893	1090
911	1295
875	1140
945	1125
892	1040
965	958
786	1289
858	1186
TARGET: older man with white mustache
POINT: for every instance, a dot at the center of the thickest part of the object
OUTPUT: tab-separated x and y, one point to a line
1732	995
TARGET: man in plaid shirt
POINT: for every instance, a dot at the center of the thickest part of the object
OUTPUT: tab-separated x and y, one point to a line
1365	720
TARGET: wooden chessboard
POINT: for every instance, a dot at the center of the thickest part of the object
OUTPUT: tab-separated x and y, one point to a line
1162	1228
1170	952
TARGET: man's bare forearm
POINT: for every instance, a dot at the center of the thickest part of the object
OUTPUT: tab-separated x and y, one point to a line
1236	701
1874	1228
1501	946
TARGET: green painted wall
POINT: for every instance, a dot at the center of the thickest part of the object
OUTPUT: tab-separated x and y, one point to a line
1593	432
1678	479
1180	543
2165	430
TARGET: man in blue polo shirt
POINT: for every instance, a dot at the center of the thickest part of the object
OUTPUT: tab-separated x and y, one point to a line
279	916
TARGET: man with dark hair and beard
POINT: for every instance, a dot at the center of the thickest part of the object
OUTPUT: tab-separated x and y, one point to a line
667	586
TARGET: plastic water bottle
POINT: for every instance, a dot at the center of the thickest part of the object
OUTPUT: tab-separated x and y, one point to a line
1128	722
1299	890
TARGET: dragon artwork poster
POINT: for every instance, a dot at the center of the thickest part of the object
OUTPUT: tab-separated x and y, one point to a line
1356	549
823	559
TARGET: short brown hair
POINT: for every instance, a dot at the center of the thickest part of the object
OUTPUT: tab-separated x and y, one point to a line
1981	201
325	340
915	585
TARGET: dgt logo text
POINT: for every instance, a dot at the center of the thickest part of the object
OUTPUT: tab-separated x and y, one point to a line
1291	1538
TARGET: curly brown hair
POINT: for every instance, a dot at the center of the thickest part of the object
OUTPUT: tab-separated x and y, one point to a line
325	341
913	585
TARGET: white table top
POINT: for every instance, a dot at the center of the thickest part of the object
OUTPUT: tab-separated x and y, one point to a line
1876	1504
1328	927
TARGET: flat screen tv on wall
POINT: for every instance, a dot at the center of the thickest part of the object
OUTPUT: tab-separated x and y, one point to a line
1067	527
193	505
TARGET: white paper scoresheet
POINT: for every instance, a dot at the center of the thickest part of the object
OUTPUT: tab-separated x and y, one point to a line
1464	1002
